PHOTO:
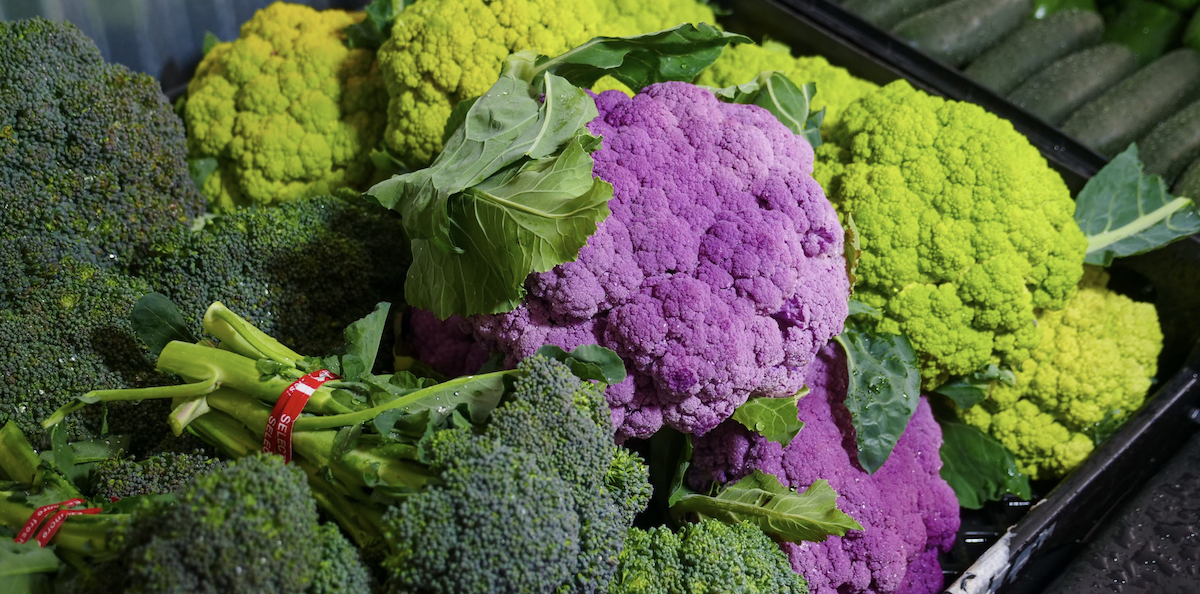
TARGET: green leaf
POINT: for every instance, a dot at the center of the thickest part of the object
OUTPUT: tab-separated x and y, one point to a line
967	391
24	559
210	41
200	169
776	419
1124	212
511	193
978	467
362	342
100	449
670	455
18	460
776	93
859	308
60	448
157	321
589	362
779	511
377	26
1108	425
458	115
885	386
677	54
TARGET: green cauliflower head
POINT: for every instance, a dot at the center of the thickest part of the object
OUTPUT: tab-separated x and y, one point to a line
836	88
287	109
965	231
1092	369
445	51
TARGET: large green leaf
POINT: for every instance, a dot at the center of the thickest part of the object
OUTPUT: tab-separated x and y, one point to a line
25	559
1124	212
778	510
589	362
362	340
512	193
776	419
885	386
978	467
677	54
776	93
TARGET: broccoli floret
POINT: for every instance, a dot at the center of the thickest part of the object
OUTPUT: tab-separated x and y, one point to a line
161	473
90	153
706	557
300	272
547	452
69	333
341	569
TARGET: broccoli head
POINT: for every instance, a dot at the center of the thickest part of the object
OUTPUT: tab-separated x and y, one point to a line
836	88
965	230
1092	370
90	153
286	110
67	332
538	502
301	272
341	569
705	557
443	52
161	473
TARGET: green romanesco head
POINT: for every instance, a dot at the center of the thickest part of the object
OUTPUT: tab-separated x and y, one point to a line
287	109
836	88
965	231
1092	369
444	51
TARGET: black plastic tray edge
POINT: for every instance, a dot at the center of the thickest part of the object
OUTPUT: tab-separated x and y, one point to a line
1033	549
932	75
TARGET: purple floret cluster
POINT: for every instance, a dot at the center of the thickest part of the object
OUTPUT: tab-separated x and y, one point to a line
907	511
718	275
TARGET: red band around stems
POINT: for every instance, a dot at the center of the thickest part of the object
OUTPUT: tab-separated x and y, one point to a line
38	516
277	438
56	521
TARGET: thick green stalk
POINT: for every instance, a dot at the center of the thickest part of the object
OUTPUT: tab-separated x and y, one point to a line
18	459
242	337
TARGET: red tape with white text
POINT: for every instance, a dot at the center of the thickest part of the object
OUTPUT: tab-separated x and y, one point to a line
277	438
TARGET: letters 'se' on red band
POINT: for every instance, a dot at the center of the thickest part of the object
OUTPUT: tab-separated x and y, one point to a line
277	438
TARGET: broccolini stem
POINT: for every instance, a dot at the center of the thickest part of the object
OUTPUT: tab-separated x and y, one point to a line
227	433
192	390
80	534
242	337
432	392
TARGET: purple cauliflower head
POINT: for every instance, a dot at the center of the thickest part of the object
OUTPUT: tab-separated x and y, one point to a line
908	512
718	275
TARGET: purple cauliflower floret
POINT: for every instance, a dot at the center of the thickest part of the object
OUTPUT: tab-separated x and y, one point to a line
718	275
447	346
908	512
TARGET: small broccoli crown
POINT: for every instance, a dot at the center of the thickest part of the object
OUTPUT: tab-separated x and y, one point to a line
287	109
300	272
1093	367
500	522
919	174
836	88
537	502
66	334
340	569
162	473
709	556
89	152
249	527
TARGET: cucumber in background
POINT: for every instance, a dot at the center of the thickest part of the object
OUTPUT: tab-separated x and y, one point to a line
1066	85
1037	44
960	31
1147	28
1173	144
1131	108
885	13
1188	184
1045	8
